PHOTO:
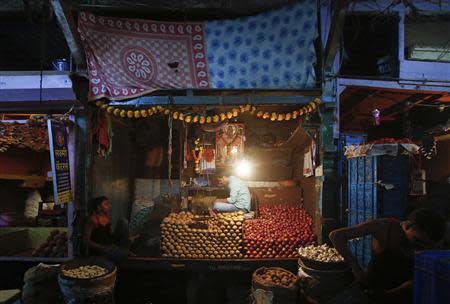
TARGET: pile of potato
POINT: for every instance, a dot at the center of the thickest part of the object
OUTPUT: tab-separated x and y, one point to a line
321	253
185	235
275	277
54	246
85	272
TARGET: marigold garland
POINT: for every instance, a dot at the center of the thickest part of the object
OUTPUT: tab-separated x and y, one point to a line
190	117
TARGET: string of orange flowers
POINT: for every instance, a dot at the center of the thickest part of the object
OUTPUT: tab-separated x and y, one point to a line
189	117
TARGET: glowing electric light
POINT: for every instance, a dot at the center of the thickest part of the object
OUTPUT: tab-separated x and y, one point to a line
243	168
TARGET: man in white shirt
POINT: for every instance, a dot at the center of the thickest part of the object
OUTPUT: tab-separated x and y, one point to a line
239	200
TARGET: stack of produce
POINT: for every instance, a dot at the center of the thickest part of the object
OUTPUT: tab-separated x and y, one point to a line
54	246
321	253
185	235
278	232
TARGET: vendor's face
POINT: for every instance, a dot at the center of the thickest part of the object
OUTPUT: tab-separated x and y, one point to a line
224	180
417	238
104	207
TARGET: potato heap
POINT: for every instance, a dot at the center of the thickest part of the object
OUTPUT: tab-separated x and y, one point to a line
54	246
185	235
85	272
321	253
275	277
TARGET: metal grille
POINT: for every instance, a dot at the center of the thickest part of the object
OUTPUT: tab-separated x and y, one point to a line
362	202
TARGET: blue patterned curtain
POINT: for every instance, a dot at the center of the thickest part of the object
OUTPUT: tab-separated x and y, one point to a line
270	50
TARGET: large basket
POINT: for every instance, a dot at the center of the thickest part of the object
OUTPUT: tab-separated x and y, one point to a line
318	265
87	290
281	295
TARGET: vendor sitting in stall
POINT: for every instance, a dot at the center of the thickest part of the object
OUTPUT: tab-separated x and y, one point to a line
389	276
98	234
239	200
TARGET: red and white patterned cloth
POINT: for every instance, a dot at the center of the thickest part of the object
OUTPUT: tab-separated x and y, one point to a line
130	57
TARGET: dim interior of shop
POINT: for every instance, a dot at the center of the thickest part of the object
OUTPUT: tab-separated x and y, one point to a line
31	224
411	178
156	170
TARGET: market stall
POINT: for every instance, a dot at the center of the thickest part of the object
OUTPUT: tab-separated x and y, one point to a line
177	154
33	217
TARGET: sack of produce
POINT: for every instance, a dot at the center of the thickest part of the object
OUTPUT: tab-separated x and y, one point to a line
141	203
39	278
32	204
201	203
282	283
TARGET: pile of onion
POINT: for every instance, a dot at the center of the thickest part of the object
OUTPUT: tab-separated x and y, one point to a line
278	232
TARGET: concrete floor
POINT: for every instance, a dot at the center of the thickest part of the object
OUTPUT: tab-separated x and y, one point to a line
183	287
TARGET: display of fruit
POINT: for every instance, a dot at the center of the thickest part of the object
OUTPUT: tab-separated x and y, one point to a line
275	277
85	272
54	246
188	236
278	232
322	253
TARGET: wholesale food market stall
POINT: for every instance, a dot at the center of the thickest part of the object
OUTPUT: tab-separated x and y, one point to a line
176	156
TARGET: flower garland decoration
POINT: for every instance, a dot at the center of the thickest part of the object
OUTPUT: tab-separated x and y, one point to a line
429	148
197	153
189	117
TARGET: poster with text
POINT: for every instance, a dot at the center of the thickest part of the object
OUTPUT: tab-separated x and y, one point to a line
59	156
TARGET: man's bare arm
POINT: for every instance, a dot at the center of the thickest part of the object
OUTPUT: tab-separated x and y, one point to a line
340	238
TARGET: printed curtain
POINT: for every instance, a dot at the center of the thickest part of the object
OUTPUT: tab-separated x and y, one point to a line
128	58
270	50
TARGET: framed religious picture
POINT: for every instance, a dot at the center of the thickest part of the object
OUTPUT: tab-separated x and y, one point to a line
229	144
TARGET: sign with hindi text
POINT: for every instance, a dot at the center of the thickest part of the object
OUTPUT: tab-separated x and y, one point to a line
59	156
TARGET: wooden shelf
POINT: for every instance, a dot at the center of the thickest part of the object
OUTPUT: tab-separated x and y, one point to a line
155	263
198	188
29	181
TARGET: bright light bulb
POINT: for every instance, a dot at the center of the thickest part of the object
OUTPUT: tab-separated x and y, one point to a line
243	168
234	150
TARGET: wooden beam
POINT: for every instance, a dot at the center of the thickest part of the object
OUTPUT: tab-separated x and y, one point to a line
408	103
353	100
68	26
335	34
214	100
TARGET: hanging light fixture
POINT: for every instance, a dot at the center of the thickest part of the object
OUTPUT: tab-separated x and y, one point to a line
376	116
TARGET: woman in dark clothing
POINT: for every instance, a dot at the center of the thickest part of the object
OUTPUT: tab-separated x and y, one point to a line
98	233
390	273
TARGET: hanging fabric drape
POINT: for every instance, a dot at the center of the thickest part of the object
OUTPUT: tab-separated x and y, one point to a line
131	57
